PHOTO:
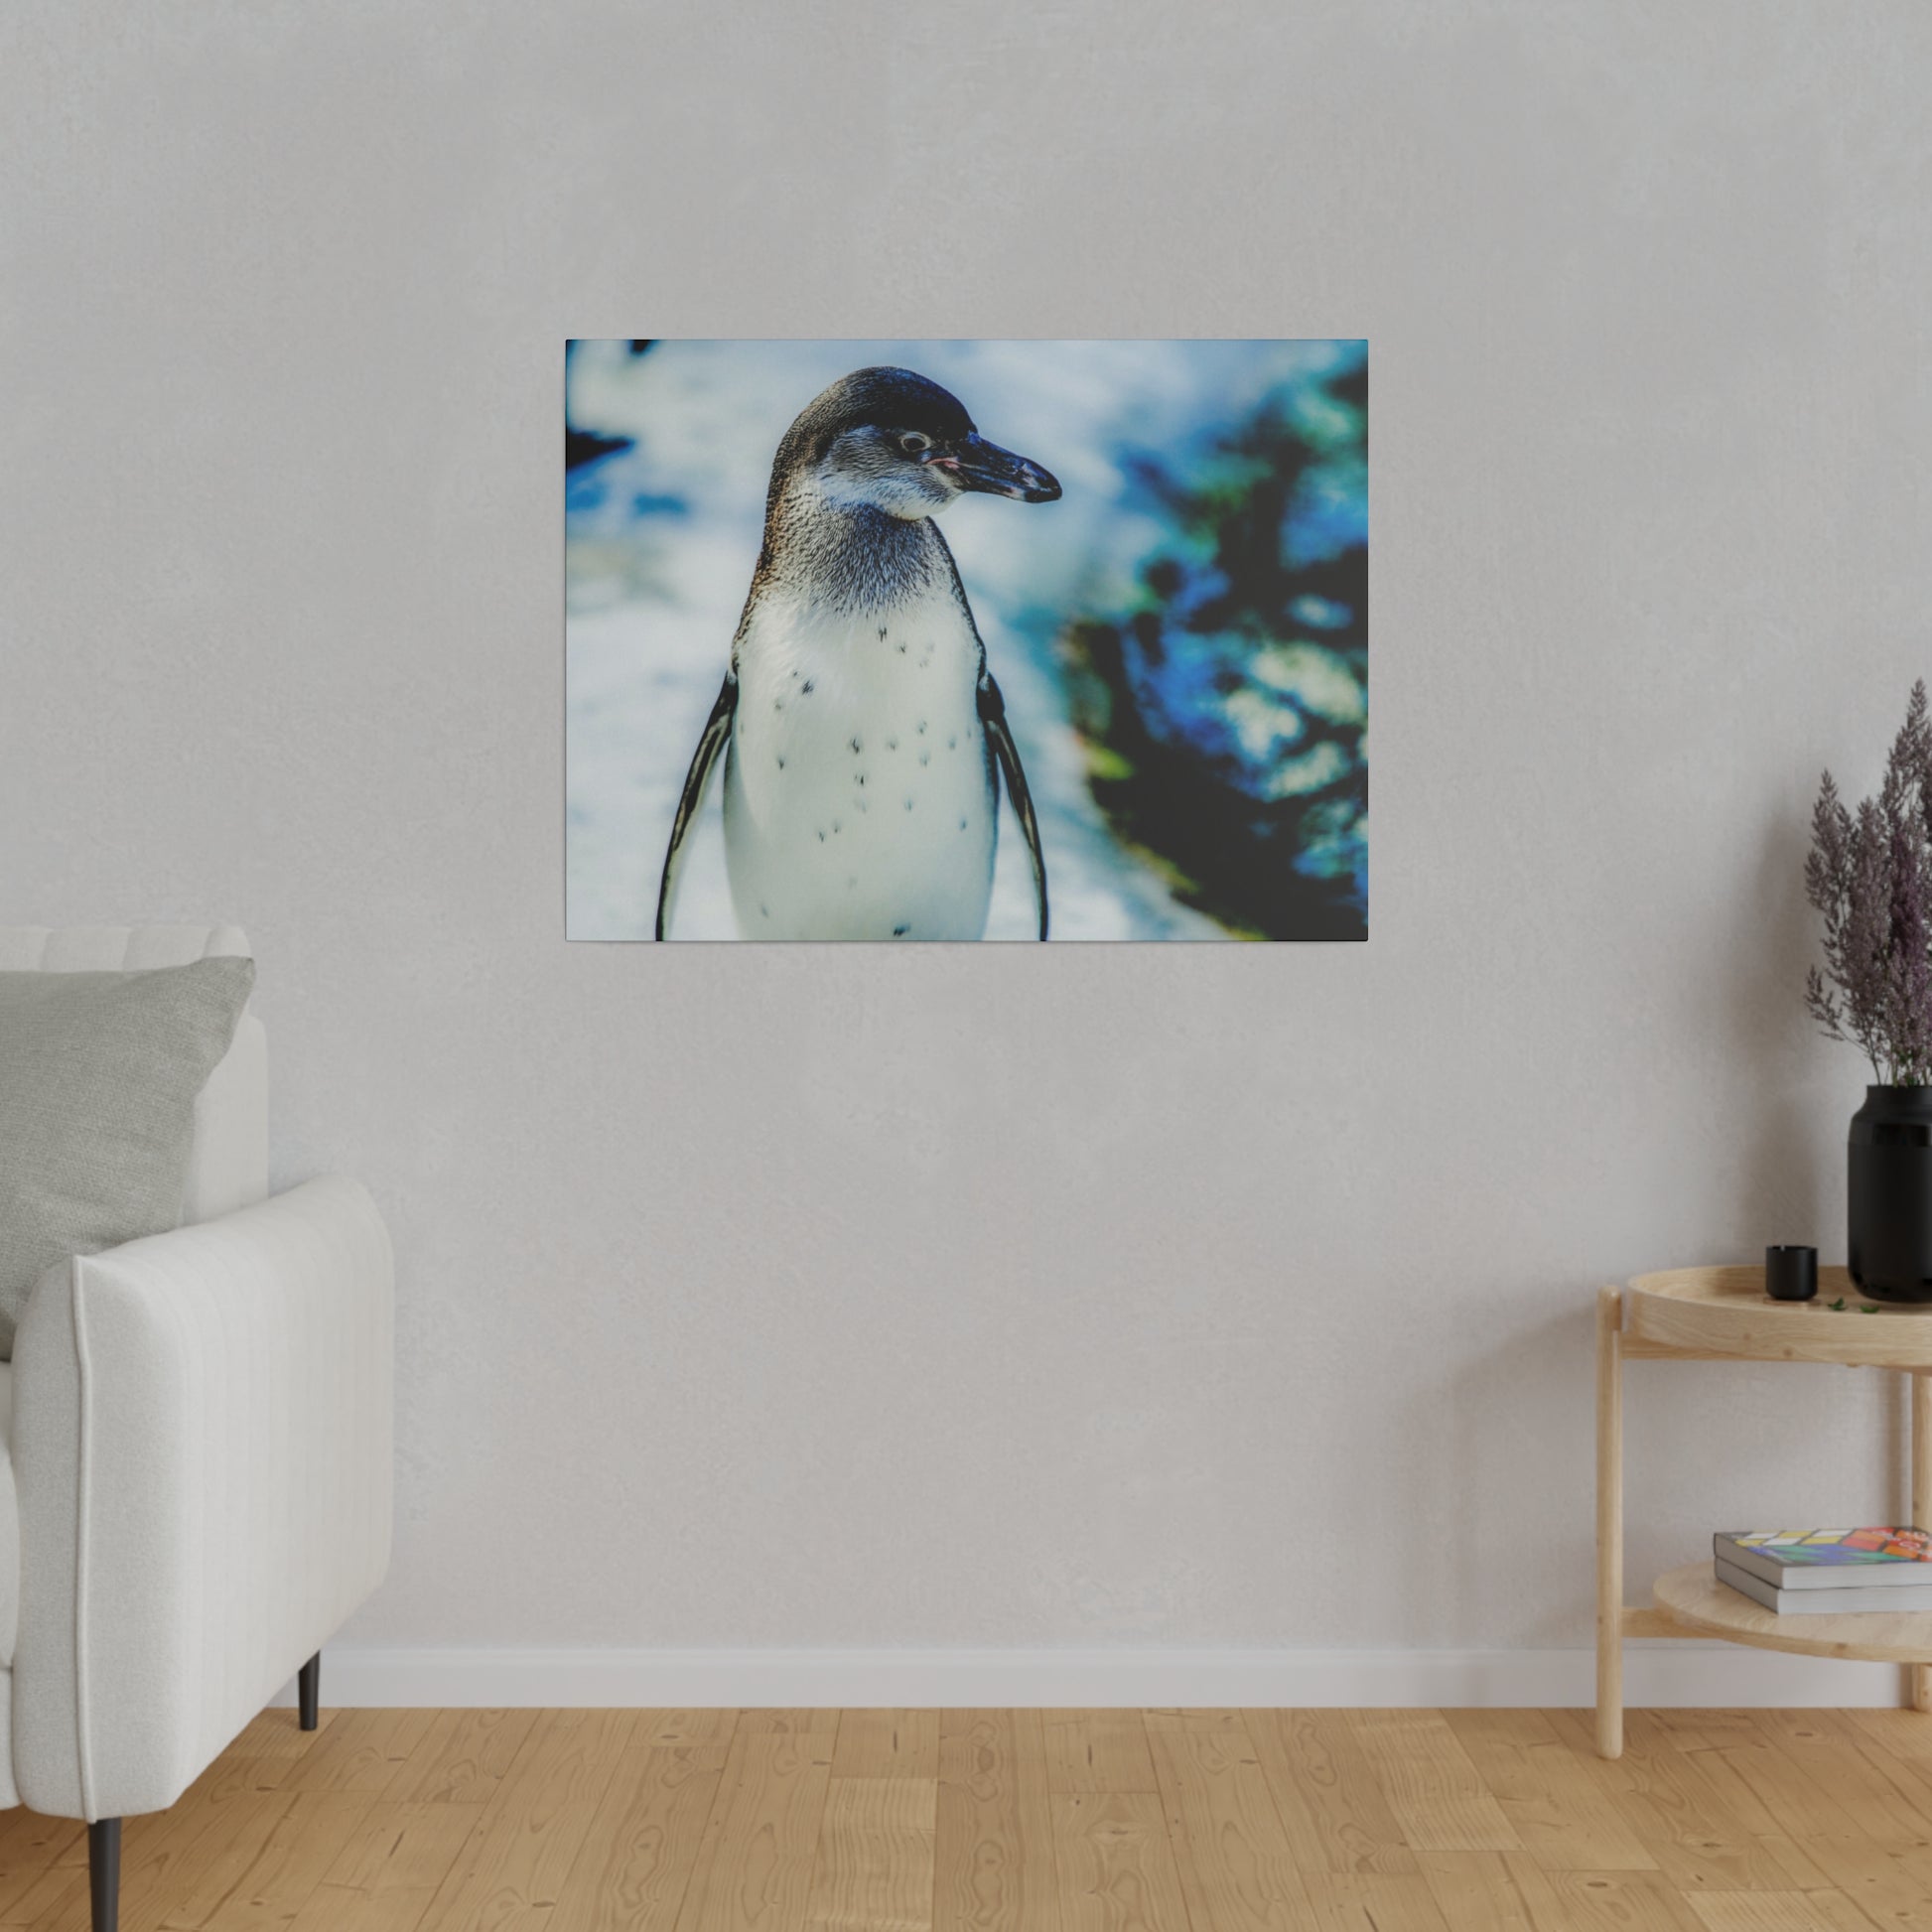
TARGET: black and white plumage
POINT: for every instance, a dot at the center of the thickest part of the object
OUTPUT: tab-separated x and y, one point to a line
865	740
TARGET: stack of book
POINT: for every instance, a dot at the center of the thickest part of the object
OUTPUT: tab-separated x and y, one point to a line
1828	1572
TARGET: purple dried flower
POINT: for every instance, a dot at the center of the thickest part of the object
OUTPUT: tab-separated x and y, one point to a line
1909	974
1869	877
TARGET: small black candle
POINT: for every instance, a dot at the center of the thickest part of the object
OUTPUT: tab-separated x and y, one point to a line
1791	1274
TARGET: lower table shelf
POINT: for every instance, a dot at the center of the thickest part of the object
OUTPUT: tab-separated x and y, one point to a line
1693	1598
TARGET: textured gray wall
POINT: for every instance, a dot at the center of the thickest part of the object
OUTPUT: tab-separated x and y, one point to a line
1165	1296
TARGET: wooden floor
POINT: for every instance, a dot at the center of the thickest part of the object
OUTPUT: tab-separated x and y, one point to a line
1028	1821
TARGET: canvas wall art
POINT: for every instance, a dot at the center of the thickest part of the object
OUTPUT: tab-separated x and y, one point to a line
910	641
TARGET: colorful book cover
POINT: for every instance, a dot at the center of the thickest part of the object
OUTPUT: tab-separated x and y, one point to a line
1823	1549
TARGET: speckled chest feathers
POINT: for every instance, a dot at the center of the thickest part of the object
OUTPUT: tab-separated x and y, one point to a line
860	800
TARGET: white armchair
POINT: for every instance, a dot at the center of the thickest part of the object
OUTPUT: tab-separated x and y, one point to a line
197	1428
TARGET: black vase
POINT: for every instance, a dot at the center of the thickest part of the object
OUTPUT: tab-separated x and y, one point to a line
1891	1195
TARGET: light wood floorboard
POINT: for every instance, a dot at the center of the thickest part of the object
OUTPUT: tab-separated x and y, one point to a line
1023	1821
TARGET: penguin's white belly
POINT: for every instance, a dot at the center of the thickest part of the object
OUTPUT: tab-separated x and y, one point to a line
859	791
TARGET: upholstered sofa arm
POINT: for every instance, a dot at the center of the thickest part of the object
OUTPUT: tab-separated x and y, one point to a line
203	1453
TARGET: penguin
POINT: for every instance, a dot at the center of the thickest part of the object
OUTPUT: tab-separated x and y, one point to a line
864	736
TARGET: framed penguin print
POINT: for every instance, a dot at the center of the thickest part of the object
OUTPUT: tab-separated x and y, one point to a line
938	642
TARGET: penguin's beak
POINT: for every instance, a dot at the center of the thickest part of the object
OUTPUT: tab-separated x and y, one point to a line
980	465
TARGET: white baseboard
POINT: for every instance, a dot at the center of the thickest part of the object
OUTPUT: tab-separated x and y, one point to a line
1666	1675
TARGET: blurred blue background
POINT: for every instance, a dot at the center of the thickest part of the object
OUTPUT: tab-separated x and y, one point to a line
1182	639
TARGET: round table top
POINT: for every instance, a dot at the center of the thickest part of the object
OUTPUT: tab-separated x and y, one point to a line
1726	1311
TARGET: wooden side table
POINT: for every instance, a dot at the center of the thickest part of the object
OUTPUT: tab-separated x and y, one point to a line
1705	1315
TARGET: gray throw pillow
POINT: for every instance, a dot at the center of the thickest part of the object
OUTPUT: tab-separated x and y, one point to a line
98	1075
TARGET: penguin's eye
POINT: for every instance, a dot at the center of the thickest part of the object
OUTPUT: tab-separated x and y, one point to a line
912	442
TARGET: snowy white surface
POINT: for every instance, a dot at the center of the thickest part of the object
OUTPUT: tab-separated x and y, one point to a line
658	570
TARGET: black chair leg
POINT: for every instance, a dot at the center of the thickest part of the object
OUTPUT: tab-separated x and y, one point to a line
104	1872
307	1686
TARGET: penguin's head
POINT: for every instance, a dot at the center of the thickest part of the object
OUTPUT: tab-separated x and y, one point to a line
889	440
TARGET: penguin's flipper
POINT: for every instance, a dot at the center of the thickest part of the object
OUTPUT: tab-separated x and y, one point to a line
697	782
992	715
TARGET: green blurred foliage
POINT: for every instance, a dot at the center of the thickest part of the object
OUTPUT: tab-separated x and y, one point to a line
1225	711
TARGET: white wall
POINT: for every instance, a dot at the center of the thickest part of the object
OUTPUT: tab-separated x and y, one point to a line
1159	1297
